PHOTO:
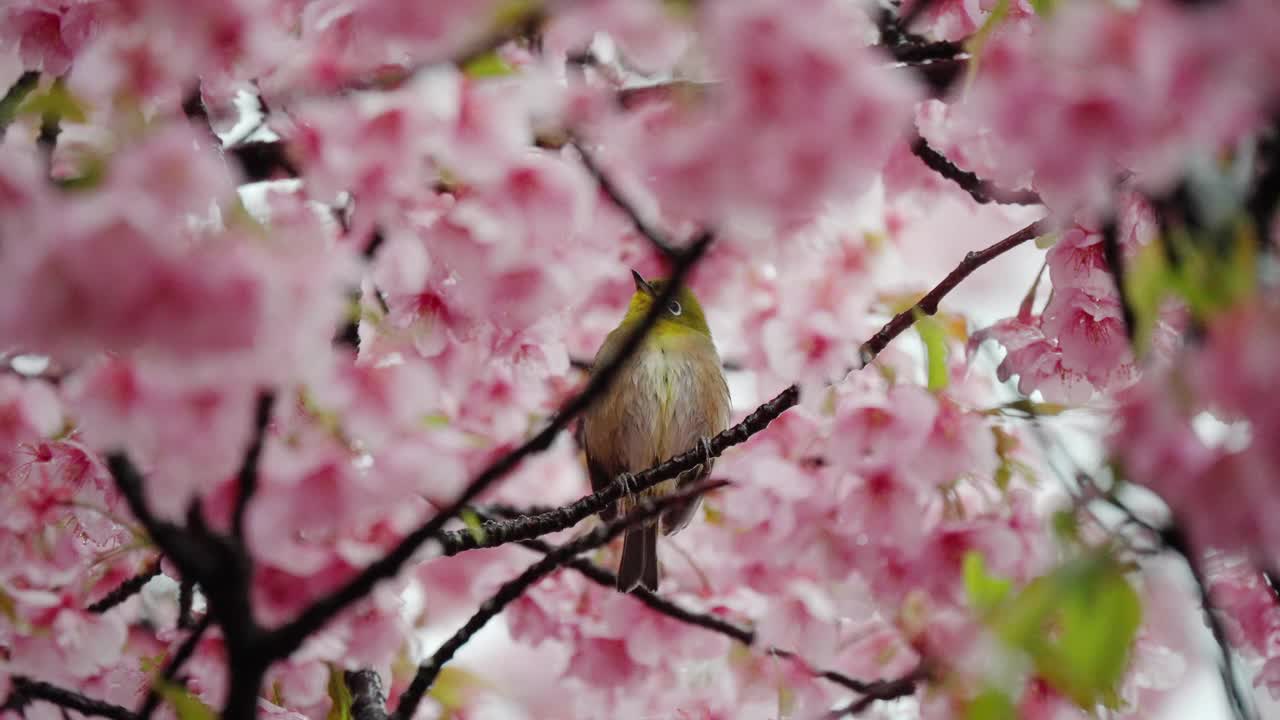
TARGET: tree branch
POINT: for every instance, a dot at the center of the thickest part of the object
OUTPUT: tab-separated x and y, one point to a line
883	690
126	589
284	640
928	304
26	691
707	621
512	589
368	701
980	190
175	663
14	96
501	532
1176	541
614	194
247	477
1115	263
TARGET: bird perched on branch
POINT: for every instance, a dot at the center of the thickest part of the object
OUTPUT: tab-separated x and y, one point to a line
669	397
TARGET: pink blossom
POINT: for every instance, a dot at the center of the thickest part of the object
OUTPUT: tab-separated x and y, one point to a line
819	116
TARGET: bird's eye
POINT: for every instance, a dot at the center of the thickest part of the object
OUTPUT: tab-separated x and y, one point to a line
675	308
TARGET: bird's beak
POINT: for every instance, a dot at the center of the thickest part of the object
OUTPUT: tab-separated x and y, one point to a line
642	284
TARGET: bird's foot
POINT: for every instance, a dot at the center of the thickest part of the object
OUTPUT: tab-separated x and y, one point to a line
628	483
704	445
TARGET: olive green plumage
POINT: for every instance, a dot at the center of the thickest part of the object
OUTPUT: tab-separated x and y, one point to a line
670	395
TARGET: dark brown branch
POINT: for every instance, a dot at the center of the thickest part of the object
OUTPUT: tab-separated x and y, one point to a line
584	365
979	189
16	93
289	637
126	589
368	701
263	160
707	621
1265	195
492	534
247	477
512	589
1173	538
186	600
928	304
883	690
1115	263
607	186
917	52
184	652
25	691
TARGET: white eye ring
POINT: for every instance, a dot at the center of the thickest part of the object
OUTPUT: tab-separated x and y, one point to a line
675	308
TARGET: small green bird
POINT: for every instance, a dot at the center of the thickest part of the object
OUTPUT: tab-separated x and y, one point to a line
669	397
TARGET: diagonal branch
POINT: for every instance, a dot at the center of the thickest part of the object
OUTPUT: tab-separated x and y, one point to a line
928	304
500	532
611	190
26	690
180	657
1175	540
126	589
368	701
512	589
883	690
707	621
284	640
980	190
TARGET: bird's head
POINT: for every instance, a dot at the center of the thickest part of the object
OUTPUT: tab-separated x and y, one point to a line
683	313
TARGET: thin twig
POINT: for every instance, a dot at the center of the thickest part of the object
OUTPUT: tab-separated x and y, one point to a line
25	690
882	690
980	190
171	668
1115	263
611	190
512	589
500	532
247	477
706	621
928	304
13	98
1175	540
126	589
284	640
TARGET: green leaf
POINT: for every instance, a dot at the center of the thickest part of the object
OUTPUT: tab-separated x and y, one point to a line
474	524
1099	621
1077	624
1047	240
489	64
1147	284
992	704
1044	8
339	695
452	688
978	40
985	591
186	705
516	12
935	347
57	101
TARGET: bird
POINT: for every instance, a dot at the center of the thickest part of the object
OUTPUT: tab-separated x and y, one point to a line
669	396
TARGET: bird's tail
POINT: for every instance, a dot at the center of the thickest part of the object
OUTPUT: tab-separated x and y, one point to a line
639	565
